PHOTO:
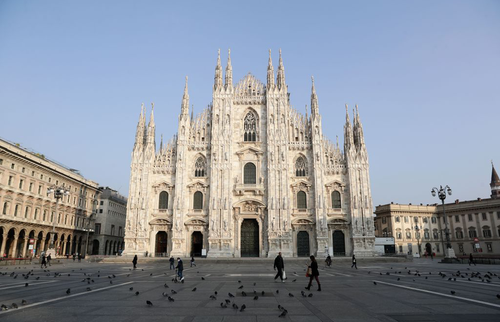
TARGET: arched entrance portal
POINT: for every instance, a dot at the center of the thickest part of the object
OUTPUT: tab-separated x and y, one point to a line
303	244
95	247
196	243
338	243
161	244
249	238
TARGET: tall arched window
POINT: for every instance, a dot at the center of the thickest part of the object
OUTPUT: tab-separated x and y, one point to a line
249	174
199	167
300	167
336	200
5	208
163	203
250	127
198	200
301	200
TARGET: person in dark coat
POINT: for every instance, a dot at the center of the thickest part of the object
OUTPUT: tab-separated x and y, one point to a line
134	261
192	261
44	261
180	268
172	260
74	257
471	260
280	266
354	262
79	258
328	261
48	259
314	273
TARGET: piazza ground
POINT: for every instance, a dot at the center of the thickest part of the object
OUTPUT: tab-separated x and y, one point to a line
347	295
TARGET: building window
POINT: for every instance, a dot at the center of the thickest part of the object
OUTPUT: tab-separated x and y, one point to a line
163	203
198	200
59	218
26	212
459	234
384	220
486	232
300	167
385	233
199	167
100	211
16	209
250	128
498	214
415	219
11	178
36	214
23	169
31	186
32	173
400	248
433	220
249	174
469	217
40	190
301	200
489	247
12	166
474	249
427	235
1	161
102	203
461	248
457	218
112	230
44	215
336	202
484	216
97	229
119	231
425	220
435	234
397	219
5	208
472	233
399	235
408	235
406	219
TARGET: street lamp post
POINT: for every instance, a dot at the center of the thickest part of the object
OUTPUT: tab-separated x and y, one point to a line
58	192
417	235
441	193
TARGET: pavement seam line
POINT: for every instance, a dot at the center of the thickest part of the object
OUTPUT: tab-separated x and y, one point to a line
62	298
23	285
440	294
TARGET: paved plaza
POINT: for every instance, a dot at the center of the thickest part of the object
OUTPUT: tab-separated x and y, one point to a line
347	294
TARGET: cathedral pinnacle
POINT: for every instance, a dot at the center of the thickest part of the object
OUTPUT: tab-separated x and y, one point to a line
314	100
185	100
229	71
280	77
218	73
270	72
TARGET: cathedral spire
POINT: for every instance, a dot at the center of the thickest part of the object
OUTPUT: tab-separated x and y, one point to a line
348	138
229	71
161	144
358	129
151	126
314	100
139	136
270	72
495	183
218	73
185	101
280	78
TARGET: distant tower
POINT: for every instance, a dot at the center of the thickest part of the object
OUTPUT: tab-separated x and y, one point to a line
495	183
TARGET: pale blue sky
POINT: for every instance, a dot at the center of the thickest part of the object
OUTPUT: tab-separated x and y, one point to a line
424	73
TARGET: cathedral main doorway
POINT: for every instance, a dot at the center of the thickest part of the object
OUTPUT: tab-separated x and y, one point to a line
161	244
196	243
303	244
338	243
249	238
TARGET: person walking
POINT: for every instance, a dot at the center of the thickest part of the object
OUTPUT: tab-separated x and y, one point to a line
79	258
471	260
313	273
180	268
134	261
192	261
172	260
328	261
74	257
48	260
354	262
44	261
280	266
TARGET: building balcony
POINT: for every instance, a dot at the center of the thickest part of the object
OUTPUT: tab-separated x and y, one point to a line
256	189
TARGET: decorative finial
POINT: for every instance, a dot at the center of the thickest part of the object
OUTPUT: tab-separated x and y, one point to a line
346	109
152	106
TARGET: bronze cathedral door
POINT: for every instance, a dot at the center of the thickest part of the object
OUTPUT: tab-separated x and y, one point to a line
249	238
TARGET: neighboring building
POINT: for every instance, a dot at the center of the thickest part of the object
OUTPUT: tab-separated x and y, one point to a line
110	223
250	177
420	229
28	212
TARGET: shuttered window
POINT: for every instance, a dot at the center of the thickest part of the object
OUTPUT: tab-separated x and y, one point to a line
336	199
198	200
163	204
249	174
301	200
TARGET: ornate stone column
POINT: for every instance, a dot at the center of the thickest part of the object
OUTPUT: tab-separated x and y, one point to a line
25	244
4	242
14	247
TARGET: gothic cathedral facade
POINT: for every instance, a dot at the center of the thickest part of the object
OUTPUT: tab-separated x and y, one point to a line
249	177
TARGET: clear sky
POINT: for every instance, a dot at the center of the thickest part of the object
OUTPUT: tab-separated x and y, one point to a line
73	75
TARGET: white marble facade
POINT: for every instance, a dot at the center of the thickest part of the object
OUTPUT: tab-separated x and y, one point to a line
249	176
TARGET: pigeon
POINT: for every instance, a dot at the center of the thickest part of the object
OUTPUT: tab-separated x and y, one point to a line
240	287
68	291
374	283
295	280
164	294
38	278
131	289
173	292
243	307
215	292
137	293
202	278
277	291
303	294
88	289
170	299
227	301
230	295
165	285
256	297
310	295
193	290
24	302
290	294
400	279
222	305
498	296
283	314
4	307
254	284
149	303
243	293
110	282
14	305
263	293
212	297
452	292
26	285
239	281
235	306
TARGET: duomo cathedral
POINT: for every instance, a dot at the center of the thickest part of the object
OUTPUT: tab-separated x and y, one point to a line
249	177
